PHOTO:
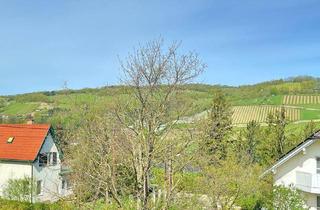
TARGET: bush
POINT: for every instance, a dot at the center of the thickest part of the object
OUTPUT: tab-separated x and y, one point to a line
286	198
18	189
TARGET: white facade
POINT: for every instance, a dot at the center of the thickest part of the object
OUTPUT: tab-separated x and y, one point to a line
299	168
52	185
13	170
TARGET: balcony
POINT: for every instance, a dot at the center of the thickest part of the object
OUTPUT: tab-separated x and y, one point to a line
308	182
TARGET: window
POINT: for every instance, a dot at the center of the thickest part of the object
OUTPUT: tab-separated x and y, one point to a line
39	187
53	158
49	158
43	159
318	165
64	184
10	140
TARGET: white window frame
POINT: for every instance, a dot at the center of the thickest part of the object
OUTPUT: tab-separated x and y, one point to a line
49	156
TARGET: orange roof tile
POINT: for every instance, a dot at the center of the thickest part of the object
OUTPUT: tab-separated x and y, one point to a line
27	142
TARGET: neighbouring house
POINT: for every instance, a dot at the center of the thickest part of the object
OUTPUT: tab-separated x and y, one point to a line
300	168
29	150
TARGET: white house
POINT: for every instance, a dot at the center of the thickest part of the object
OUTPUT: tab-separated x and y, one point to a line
29	150
300	167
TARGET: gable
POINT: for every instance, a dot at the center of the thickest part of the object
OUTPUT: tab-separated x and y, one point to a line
27	141
294	151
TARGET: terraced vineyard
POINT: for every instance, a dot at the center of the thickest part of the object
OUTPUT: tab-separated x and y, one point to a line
295	99
245	114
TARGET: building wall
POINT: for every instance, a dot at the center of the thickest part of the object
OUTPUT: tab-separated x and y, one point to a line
13	170
286	173
49	175
311	200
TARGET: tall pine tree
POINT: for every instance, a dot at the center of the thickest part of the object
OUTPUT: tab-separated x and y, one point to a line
252	140
277	124
219	125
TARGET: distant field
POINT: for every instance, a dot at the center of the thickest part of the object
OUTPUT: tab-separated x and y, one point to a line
295	99
19	108
245	114
269	100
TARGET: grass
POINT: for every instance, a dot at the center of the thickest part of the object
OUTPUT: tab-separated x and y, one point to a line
16	108
16	205
310	114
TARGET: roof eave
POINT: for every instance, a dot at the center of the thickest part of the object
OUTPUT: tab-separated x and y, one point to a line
15	160
289	155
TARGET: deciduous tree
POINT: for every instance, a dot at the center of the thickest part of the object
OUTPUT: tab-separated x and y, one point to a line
153	75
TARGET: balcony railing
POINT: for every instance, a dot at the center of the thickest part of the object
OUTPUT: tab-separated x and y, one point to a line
308	182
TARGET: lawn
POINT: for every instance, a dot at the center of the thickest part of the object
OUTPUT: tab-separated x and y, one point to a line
16	108
310	114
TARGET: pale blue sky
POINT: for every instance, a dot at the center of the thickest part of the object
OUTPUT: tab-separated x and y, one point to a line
44	43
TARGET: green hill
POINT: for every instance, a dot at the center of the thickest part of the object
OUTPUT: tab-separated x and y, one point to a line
300	95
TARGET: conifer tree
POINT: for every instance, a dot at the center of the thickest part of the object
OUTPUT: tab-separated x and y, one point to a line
252	140
219	125
277	124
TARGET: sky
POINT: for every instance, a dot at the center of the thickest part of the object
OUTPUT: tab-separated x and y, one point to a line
44	44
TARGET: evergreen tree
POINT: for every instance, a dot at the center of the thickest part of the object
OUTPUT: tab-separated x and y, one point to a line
252	140
219	125
277	124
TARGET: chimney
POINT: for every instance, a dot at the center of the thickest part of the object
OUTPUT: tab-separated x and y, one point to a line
30	122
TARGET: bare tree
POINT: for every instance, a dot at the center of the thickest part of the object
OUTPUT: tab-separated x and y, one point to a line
153	76
99	167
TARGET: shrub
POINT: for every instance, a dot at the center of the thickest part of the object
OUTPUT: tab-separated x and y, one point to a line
18	189
286	198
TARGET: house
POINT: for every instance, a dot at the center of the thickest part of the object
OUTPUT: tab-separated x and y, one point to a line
300	167
29	150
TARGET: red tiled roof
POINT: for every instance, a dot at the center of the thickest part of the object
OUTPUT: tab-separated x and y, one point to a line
27	142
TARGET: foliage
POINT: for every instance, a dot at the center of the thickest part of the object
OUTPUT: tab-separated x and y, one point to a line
3	102
116	150
16	205
286	198
218	126
309	129
231	183
19	189
32	97
252	140
277	124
